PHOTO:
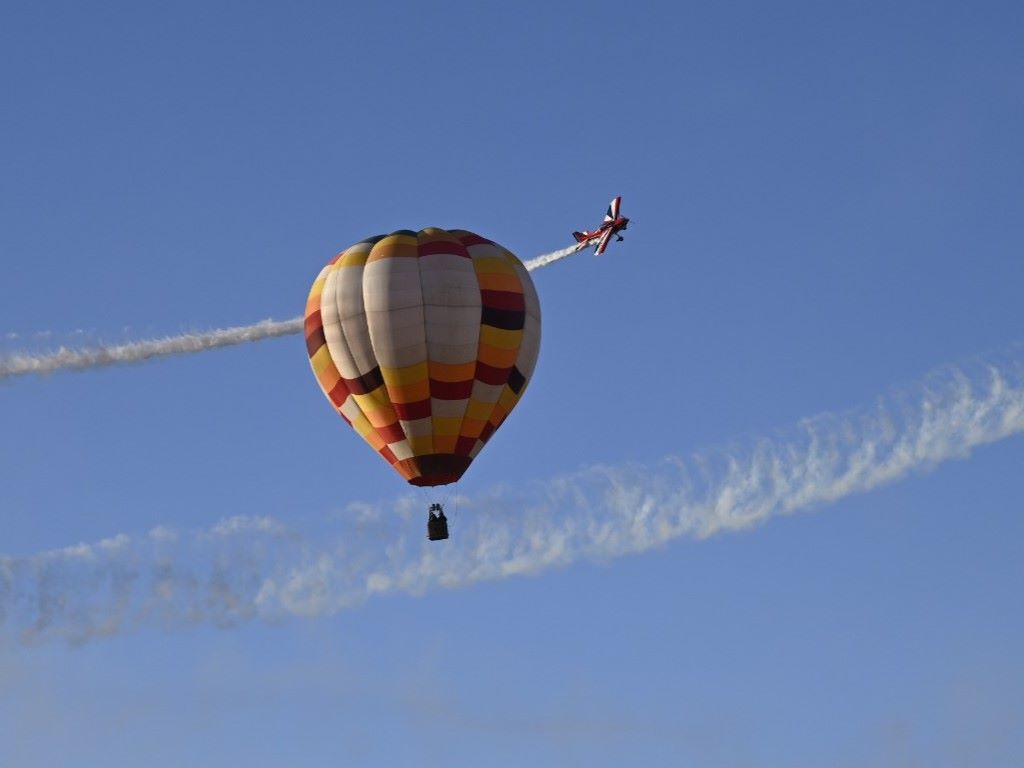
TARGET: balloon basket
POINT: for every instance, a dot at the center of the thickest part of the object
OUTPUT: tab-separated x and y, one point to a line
437	524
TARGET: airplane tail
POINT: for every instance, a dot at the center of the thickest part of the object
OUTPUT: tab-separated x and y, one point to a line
580	237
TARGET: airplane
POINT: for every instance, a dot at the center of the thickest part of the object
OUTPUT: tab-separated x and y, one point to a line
613	224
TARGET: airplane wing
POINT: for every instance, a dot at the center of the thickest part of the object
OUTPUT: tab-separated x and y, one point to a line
613	210
603	242
583	240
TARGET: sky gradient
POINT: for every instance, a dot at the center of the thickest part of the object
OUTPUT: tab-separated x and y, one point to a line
825	205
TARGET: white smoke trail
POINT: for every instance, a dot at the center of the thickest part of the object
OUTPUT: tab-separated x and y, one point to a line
260	568
64	358
550	258
139	351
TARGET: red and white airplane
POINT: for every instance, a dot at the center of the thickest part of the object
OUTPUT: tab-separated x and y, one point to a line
600	237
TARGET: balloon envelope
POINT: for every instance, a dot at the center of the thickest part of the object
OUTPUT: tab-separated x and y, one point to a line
424	342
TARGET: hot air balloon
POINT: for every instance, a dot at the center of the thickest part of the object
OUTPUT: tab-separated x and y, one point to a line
424	342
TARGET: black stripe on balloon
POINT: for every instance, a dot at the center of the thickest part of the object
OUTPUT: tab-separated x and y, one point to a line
516	380
506	319
366	383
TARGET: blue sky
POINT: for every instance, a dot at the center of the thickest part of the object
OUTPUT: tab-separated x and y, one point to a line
826	203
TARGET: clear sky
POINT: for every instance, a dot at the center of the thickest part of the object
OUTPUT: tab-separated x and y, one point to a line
826	203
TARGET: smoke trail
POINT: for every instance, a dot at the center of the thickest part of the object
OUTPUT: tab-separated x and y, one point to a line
248	568
140	351
550	258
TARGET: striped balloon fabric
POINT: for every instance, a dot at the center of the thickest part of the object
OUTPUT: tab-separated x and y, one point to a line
424	342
